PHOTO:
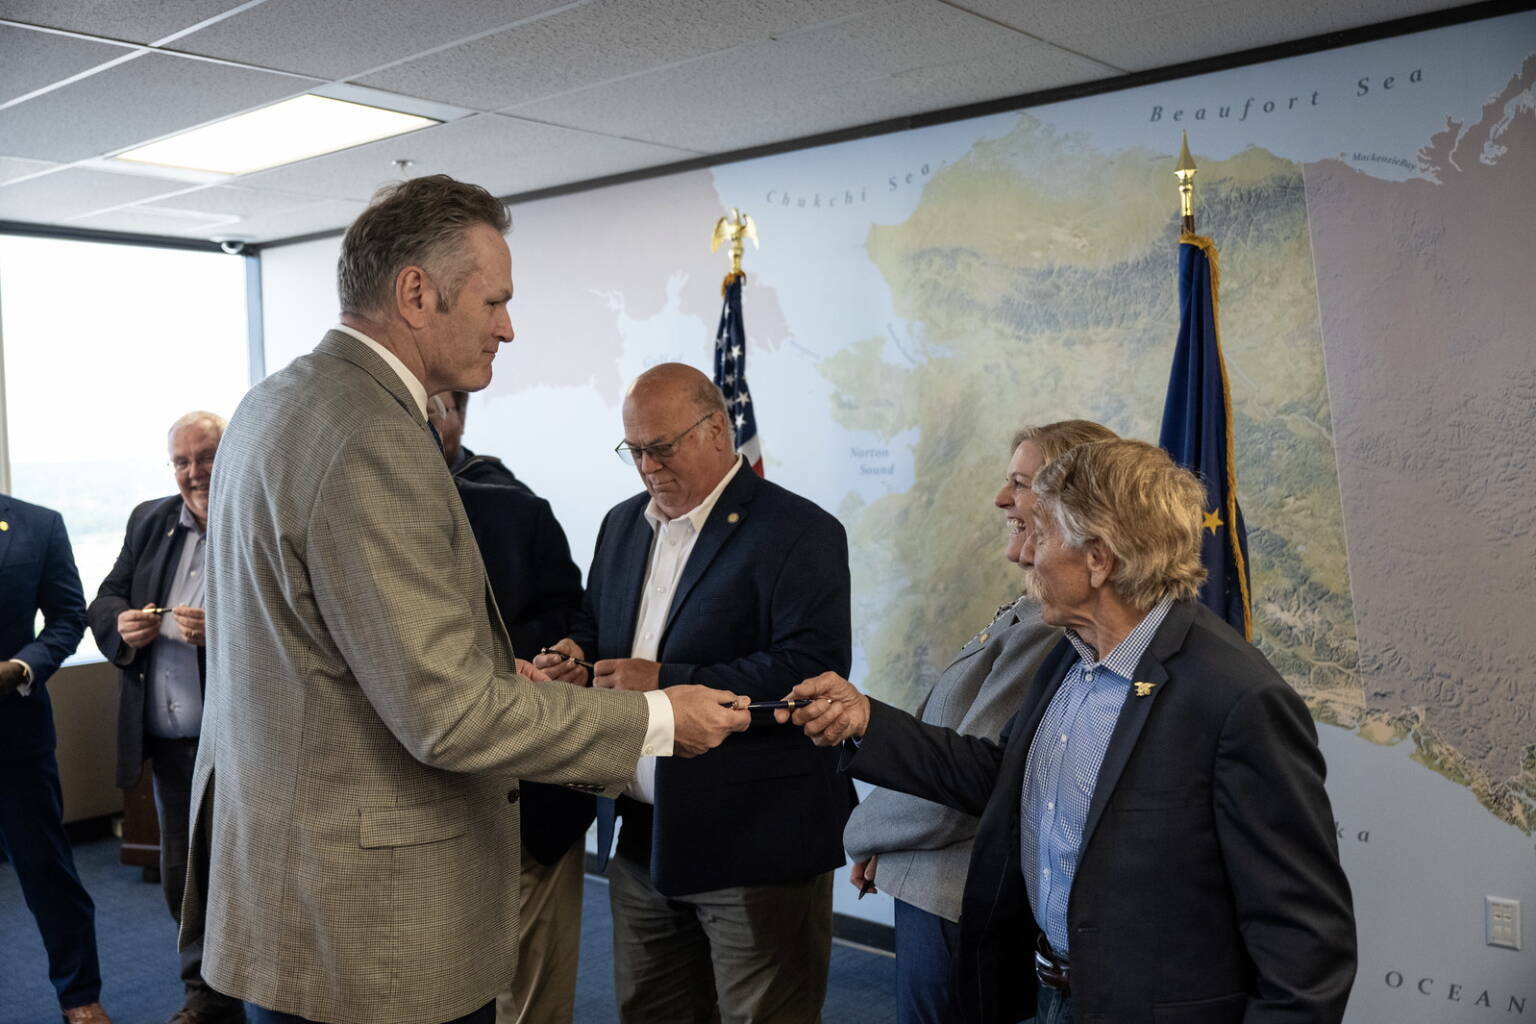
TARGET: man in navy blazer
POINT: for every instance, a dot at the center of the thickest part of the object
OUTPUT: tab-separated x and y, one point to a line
37	573
721	888
537	588
1155	838
163	665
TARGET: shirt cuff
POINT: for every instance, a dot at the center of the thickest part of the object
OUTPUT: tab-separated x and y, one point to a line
25	690
660	726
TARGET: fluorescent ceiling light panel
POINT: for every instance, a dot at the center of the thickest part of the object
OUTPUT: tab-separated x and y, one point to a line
295	129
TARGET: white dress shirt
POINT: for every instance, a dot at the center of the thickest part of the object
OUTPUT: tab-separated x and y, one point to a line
674	541
661	726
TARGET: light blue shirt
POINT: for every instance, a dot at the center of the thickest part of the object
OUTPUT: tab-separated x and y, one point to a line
174	706
1062	770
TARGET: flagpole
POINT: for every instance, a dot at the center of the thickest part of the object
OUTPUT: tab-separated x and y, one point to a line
1186	174
734	229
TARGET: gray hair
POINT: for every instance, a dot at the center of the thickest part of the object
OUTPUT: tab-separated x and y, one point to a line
420	223
710	399
1146	509
213	419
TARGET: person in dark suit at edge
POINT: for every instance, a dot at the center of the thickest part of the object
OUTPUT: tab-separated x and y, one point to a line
1155	837
463	463
164	668
37	573
538	590
721	890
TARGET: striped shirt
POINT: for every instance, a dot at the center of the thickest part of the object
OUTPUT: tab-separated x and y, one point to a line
1062	770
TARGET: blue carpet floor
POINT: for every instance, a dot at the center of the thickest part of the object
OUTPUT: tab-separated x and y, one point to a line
138	955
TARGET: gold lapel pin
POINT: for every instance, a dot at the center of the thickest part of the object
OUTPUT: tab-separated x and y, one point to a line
734	517
4	526
983	638
1144	689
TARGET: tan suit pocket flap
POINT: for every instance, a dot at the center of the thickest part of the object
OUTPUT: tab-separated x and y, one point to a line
412	826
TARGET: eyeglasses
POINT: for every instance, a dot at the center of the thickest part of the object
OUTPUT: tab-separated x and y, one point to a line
204	461
631	455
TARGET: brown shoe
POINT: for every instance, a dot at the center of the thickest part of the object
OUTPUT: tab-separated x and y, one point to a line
186	1015
91	1013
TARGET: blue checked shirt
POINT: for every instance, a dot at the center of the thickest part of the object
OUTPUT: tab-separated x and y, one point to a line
1063	769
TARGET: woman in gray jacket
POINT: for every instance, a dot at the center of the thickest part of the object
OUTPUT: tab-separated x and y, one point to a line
922	849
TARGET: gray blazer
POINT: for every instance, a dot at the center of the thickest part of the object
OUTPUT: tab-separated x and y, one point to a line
355	840
924	847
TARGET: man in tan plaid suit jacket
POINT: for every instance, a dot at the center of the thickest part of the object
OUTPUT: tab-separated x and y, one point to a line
356	848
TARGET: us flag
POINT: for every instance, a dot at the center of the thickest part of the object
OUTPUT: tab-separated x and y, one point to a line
731	374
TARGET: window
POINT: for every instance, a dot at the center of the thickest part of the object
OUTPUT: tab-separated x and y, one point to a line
105	345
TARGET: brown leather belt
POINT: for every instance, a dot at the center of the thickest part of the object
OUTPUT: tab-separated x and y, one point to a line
1052	971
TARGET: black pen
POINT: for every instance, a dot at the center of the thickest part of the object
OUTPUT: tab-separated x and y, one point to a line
567	657
774	705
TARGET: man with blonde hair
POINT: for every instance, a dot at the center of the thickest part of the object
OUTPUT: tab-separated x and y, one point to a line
148	620
1154	834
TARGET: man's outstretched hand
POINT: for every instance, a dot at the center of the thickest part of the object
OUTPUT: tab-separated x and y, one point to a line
839	711
700	723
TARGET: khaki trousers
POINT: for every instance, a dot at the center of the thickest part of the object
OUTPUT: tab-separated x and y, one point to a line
544	991
742	955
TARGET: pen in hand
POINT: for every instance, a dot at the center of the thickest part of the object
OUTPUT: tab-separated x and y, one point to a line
772	705
566	657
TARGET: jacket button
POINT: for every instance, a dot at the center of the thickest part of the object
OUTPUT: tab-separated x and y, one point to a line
512	795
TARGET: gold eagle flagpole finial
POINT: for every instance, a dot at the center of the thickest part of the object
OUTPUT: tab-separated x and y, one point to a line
1186	175
733	229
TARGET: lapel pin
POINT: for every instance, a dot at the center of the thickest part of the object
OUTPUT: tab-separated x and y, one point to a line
4	526
1144	689
983	638
734	517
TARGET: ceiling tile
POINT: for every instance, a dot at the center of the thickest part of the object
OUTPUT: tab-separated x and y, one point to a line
149	220
144	98
138	21
73	191
905	59
12	168
234	203
596	43
1148	34
338	40
326	215
35	59
503	154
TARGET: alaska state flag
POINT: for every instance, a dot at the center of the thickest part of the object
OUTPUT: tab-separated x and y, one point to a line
1197	432
731	373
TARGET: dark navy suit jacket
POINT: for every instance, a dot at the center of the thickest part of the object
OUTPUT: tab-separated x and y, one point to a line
140	576
37	572
1208	888
538	590
762	604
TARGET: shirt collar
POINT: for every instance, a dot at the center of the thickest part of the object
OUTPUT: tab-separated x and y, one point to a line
187	519
1122	661
701	511
415	387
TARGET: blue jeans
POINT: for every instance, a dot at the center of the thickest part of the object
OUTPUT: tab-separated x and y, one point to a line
259	1015
926	945
1053	1007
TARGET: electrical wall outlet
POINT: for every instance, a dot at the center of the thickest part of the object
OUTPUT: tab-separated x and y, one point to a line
1502	920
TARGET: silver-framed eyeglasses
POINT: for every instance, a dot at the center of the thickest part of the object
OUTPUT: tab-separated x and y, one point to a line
631	455
182	464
